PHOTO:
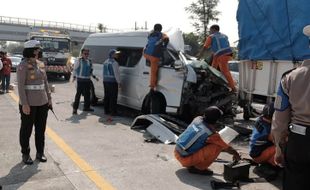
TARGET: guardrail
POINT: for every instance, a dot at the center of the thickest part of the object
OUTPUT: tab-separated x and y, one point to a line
50	24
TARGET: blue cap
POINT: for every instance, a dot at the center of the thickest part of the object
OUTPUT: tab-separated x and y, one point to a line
112	52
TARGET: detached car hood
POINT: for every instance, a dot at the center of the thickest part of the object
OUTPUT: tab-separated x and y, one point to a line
176	41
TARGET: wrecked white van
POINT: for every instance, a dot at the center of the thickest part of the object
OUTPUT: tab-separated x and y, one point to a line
185	86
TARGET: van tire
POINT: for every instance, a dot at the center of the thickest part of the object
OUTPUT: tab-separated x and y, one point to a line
154	103
93	97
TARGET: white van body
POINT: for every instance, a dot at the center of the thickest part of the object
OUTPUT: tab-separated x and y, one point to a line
175	74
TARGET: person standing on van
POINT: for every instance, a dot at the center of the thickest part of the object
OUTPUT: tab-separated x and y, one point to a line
222	53
82	72
200	144
111	83
5	72
157	42
34	100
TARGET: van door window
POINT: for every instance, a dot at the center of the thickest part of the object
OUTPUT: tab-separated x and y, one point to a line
98	54
168	59
129	57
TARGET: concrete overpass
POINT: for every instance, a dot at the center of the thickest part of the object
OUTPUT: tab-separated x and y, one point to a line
16	29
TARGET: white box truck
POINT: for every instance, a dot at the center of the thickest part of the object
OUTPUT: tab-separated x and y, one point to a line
271	42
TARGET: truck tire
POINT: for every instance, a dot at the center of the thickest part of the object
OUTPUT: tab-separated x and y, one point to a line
67	77
247	112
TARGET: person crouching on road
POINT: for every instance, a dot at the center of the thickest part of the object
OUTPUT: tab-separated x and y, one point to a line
82	72
200	144
262	148
111	83
34	100
157	42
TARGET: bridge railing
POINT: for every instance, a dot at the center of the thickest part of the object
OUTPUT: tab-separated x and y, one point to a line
50	24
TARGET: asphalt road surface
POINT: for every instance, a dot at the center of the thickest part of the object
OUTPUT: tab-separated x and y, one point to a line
85	151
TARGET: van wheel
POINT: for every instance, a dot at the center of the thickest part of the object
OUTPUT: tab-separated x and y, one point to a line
154	104
93	98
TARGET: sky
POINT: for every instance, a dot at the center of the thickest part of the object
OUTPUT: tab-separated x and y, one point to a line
120	14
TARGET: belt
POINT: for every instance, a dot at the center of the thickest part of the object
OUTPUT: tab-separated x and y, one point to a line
298	129
35	87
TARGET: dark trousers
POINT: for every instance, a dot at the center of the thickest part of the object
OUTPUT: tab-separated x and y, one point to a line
37	117
5	82
110	97
83	88
297	162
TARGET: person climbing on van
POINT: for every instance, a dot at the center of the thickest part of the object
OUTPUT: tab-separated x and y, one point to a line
157	42
222	53
111	83
200	144
262	148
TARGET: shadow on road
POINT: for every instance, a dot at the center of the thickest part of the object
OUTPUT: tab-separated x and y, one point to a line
18	175
197	181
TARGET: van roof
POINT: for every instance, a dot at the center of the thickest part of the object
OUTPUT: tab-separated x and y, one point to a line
121	34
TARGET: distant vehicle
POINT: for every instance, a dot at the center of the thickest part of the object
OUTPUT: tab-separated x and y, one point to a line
234	70
56	51
17	55
15	62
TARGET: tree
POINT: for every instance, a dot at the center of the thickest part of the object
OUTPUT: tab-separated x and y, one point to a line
202	12
102	28
192	39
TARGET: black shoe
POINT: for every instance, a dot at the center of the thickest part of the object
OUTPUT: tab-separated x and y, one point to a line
88	109
27	159
270	173
194	170
74	112
41	157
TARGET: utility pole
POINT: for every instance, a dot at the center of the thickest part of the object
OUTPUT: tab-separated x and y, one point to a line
145	25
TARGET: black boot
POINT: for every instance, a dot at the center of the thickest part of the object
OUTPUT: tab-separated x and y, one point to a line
41	157
27	159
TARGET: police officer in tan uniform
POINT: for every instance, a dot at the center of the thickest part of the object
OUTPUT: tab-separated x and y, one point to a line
34	100
291	123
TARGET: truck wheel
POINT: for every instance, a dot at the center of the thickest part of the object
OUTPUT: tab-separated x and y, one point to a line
246	112
67	77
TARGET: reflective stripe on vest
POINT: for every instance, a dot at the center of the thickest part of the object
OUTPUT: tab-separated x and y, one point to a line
108	72
193	138
220	44
259	138
84	69
153	40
